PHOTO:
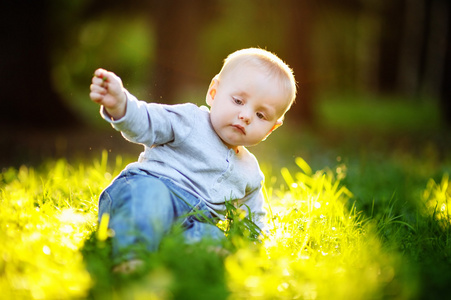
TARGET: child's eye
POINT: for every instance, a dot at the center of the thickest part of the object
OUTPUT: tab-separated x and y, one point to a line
260	115
237	101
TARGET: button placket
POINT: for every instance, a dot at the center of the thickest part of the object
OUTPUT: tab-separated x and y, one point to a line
227	172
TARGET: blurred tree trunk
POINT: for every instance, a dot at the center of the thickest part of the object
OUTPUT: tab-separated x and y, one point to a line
27	98
389	48
435	48
178	24
424	50
445	92
412	41
300	18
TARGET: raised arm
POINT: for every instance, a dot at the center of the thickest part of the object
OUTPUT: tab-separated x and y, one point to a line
107	90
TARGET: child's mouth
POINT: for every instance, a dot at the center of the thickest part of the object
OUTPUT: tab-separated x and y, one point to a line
240	128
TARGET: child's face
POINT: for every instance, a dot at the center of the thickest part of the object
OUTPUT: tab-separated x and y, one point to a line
246	105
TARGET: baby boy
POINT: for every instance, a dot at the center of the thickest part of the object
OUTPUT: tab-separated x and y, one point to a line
194	159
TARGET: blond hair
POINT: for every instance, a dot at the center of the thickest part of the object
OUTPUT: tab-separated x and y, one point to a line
266	60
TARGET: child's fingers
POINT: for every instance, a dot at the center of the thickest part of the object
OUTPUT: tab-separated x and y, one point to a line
98	88
101	74
106	88
98	81
97	92
96	97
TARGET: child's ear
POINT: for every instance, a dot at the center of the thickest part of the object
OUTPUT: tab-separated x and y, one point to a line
277	125
211	93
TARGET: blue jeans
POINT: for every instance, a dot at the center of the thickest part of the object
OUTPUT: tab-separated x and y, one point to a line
143	208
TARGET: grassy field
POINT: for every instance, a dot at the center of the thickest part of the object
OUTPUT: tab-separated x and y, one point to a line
347	221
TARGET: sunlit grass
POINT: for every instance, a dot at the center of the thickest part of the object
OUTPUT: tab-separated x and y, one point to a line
45	217
320	247
437	201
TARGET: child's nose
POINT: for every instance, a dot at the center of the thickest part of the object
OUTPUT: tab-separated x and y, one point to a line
245	117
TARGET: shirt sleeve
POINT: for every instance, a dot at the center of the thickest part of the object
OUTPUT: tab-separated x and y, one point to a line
151	123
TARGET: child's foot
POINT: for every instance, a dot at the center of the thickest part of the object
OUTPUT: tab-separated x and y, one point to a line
129	267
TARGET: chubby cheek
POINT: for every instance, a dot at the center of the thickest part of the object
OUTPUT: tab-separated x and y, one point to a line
264	127
223	115
217	118
264	133
218	122
257	135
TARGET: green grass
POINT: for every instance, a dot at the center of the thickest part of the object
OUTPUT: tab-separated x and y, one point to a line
365	228
365	216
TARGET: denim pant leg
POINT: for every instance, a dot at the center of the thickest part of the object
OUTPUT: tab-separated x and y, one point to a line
197	221
141	211
143	208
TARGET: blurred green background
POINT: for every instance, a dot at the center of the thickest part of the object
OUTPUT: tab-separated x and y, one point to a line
370	73
373	107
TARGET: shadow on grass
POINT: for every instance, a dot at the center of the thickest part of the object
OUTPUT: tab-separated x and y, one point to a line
176	271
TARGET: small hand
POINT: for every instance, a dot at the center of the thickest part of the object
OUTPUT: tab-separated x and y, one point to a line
107	90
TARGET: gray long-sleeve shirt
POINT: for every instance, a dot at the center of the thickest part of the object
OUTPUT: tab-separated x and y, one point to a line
181	144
